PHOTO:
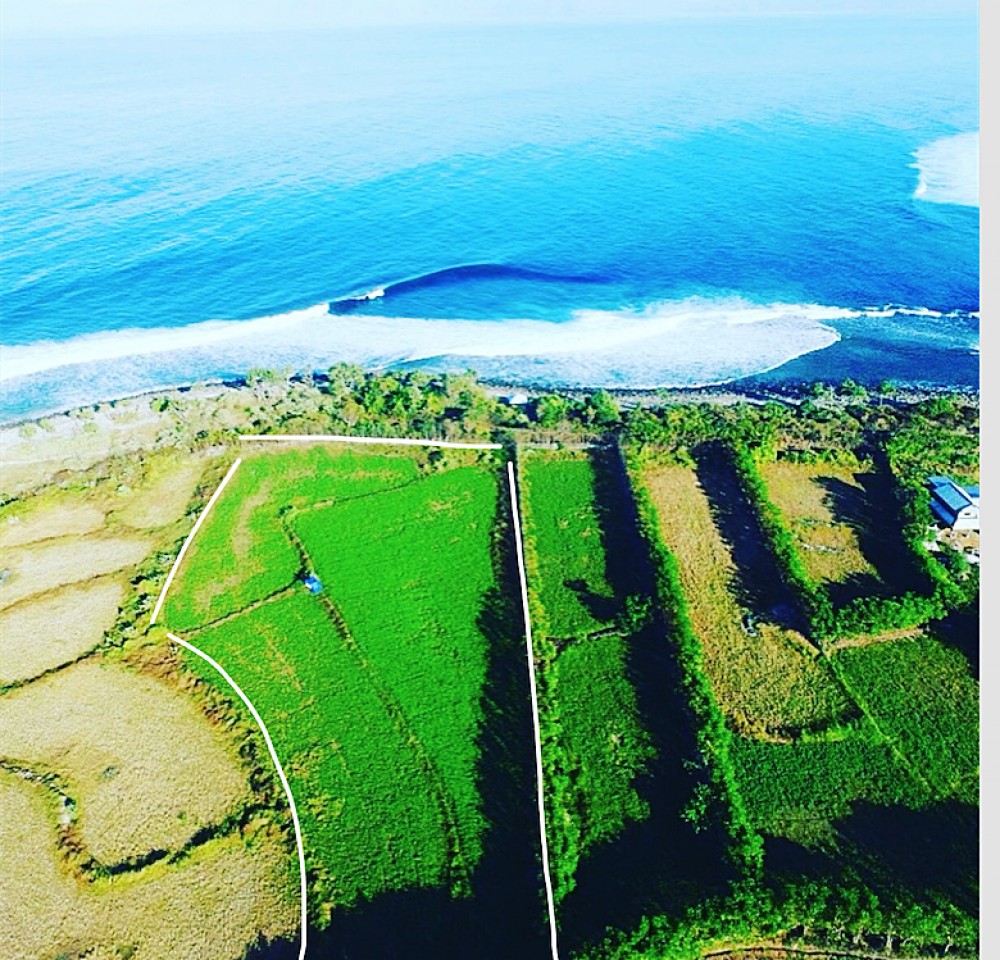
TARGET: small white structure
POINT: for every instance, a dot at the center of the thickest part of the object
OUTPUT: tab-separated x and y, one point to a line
954	506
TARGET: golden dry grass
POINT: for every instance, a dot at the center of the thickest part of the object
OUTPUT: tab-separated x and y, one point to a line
828	545
145	768
165	494
55	563
228	893
53	517
768	684
46	632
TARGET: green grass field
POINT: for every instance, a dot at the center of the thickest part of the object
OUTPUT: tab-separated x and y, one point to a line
369	819
922	696
595	742
797	790
373	689
242	554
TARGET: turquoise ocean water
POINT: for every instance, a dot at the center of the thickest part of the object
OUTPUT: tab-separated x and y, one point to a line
628	206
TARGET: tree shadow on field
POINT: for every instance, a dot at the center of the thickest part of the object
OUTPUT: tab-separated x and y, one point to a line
926	854
660	864
960	629
854	508
874	514
504	918
601	608
758	579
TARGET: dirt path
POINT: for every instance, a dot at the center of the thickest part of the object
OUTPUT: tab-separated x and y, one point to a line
866	639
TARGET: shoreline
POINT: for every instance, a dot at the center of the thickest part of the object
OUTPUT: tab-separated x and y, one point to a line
747	389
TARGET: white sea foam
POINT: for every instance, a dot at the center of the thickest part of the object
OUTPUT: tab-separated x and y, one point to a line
949	170
685	342
691	342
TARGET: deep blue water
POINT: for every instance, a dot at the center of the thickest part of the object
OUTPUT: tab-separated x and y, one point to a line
658	204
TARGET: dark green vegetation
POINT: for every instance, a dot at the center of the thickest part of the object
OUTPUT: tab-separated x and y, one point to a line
627	777
377	691
738	751
595	743
869	825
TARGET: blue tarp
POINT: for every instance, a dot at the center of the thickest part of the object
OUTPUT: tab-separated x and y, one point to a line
312	584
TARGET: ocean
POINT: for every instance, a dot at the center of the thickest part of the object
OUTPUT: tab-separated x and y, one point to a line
629	205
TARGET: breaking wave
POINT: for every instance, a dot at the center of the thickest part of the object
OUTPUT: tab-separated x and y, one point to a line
690	342
455	276
949	170
679	343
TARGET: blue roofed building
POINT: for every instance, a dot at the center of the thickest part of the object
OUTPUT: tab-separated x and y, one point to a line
955	506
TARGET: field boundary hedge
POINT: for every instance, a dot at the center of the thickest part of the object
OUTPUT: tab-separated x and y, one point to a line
714	737
862	614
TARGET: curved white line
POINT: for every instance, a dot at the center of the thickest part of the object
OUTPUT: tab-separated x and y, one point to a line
385	441
277	766
546	874
190	537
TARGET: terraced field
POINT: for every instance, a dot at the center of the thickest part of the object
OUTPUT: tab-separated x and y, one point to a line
128	825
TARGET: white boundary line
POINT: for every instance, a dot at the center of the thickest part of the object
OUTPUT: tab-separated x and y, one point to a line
281	776
386	441
190	537
550	900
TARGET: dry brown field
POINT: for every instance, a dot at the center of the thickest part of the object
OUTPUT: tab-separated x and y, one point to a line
142	763
817	501
229	892
164	494
48	631
48	517
768	680
39	568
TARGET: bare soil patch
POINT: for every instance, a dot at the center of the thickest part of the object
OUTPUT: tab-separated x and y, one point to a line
40	634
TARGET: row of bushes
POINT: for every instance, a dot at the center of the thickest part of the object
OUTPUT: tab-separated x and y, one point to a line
813	601
863	614
718	794
847	918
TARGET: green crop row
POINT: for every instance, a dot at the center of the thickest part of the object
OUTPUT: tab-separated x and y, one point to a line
594	743
921	695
